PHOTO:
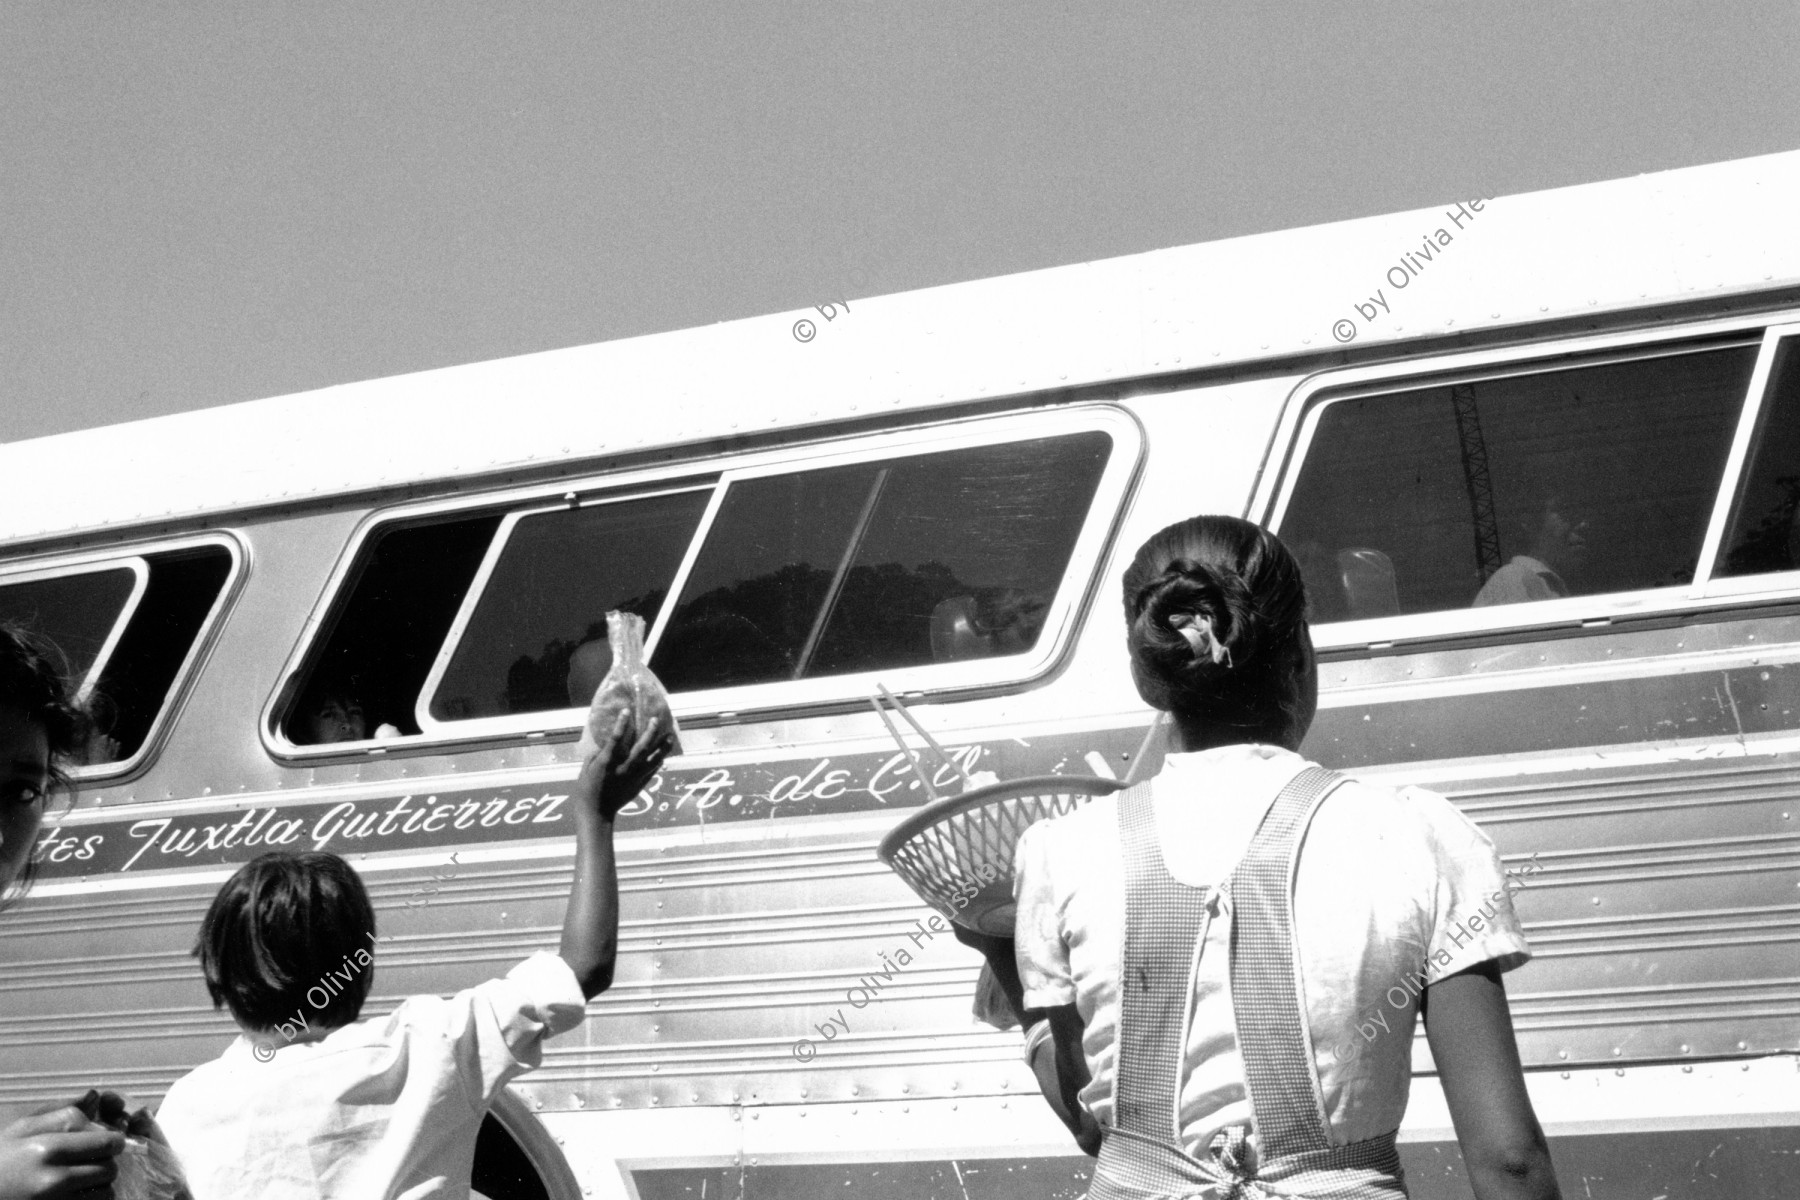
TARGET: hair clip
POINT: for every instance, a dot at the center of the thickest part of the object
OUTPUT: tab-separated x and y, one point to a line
1197	631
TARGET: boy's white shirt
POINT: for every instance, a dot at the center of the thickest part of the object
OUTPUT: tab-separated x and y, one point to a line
384	1109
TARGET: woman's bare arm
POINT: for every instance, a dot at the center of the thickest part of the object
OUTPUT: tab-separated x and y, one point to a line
1061	1069
1058	1062
1470	1030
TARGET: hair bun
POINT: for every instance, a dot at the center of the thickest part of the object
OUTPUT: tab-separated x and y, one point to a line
1216	610
1197	630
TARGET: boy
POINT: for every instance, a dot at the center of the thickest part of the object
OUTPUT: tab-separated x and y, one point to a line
311	1103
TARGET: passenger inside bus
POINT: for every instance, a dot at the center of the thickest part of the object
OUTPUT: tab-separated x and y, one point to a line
1554	533
333	715
986	623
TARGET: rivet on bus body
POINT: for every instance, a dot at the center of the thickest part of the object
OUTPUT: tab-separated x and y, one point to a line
1684	1049
1617	1052
1596	902
1620	1072
1565	1053
1565	1074
1688	1069
1743	1045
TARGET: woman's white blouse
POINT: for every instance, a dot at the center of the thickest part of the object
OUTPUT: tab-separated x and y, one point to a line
1392	885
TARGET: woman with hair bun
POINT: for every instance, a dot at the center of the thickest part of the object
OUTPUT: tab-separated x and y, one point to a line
1219	969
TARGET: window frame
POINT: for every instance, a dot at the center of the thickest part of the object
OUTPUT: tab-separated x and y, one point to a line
137	556
140	572
715	471
1300	418
1767	582
478	584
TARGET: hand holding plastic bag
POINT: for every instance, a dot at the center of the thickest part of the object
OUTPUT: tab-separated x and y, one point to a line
148	1169
628	687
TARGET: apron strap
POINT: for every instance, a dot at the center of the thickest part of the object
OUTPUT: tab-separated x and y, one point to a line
1266	993
1165	924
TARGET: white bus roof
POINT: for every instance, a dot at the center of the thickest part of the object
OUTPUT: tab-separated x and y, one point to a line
1682	235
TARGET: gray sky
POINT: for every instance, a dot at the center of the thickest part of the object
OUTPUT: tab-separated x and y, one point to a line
208	202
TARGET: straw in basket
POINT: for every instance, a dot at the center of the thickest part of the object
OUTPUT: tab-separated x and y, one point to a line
957	851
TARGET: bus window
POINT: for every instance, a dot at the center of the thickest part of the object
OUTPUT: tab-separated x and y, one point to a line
558	574
1764	531
879	565
1523	487
127	641
386	629
80	612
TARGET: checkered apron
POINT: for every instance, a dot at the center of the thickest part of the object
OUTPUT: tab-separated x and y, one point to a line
1166	921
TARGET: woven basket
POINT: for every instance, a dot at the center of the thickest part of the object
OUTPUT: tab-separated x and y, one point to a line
941	850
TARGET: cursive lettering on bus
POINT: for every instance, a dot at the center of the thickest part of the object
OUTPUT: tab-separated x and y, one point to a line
708	790
818	783
754	789
166	838
53	847
891	776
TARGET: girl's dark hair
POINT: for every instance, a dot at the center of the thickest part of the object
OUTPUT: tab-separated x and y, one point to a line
1240	579
290	932
34	680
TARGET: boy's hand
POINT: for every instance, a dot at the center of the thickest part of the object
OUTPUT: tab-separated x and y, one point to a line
611	779
57	1153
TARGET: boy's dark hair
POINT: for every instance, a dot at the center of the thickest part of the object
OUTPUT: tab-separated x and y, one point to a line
34	680
284	934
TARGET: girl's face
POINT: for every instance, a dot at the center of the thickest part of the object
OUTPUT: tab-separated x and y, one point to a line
24	783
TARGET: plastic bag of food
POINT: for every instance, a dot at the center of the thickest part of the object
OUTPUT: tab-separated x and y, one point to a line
629	687
148	1169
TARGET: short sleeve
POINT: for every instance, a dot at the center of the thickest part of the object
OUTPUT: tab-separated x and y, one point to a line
497	1029
1043	955
1473	921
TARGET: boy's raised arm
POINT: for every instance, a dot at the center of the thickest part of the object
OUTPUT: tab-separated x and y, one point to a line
609	780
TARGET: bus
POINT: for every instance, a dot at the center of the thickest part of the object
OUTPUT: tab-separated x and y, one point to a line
345	620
